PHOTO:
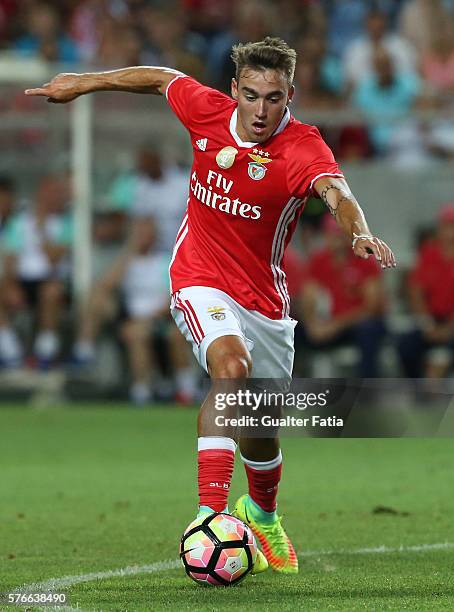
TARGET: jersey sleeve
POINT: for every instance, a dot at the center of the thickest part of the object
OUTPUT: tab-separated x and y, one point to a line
11	236
310	159
192	102
65	233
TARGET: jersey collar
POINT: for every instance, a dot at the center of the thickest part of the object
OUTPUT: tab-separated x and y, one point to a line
233	120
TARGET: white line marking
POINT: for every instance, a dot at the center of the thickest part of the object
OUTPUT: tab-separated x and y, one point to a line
57	584
66	581
378	550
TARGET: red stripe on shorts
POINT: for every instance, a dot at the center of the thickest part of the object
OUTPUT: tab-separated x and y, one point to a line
188	320
189	305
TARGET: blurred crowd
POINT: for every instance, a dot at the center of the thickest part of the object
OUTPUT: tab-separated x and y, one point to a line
379	59
342	302
382	58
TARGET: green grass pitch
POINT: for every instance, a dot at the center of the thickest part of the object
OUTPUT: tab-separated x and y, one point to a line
91	489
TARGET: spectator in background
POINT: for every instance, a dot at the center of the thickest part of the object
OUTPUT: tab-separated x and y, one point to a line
252	20
345	22
428	350
437	62
353	143
36	245
318	74
156	189
311	94
169	43
420	21
385	97
208	19
298	19
7	197
140	276
45	37
359	54
342	300
8	9
85	26
8	342
119	45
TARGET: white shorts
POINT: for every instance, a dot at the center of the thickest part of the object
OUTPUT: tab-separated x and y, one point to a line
203	314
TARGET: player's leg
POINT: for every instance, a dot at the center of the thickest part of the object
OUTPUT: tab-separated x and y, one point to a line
262	459
229	364
11	300
99	308
50	301
136	335
258	507
208	320
438	361
273	358
368	336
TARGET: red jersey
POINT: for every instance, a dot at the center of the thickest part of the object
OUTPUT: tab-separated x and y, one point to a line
434	274
342	280
244	199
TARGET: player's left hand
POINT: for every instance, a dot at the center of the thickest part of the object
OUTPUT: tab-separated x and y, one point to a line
364	247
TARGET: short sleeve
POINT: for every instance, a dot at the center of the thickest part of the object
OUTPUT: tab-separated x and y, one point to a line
11	236
67	231
122	192
310	159
193	102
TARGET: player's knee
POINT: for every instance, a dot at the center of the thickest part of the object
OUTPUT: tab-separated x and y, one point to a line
232	366
129	332
133	332
98	298
51	292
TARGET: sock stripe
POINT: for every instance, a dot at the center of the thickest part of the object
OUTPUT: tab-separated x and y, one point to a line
215	442
262	465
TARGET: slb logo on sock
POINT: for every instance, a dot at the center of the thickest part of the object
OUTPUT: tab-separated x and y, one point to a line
219	485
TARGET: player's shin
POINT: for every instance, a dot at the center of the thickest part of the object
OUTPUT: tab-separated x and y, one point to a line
216	456
263	480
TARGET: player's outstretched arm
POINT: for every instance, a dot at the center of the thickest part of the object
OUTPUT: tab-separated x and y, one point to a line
343	205
66	87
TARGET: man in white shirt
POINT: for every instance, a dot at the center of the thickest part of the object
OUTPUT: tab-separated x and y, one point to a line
358	58
153	188
36	244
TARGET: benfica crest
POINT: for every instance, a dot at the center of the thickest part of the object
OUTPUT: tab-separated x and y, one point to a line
257	168
256	171
217	313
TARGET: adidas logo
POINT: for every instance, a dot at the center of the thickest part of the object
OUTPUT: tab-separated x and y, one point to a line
202	143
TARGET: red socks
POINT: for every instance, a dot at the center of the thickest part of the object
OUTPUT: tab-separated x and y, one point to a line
263	478
215	464
216	457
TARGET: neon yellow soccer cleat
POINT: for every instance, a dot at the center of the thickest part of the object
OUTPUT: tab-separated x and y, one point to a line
261	564
275	543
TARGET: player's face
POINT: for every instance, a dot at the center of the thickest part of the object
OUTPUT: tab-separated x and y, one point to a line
262	97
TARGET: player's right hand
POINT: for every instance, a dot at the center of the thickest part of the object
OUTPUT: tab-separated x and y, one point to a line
63	88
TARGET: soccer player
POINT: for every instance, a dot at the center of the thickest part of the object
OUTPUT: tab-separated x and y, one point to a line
254	168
